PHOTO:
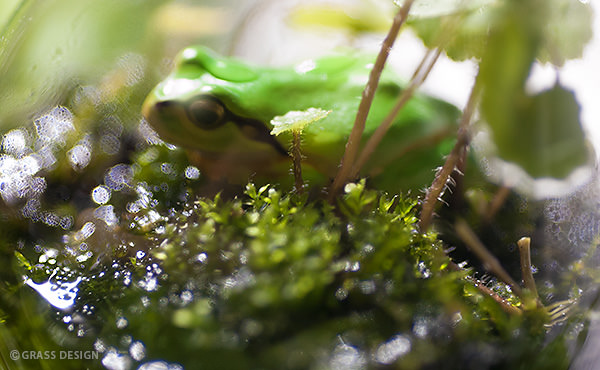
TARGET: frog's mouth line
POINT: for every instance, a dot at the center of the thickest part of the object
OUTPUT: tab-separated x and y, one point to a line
256	130
209	112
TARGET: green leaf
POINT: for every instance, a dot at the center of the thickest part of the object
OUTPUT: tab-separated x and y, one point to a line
466	41
437	8
504	69
461	27
295	121
542	134
545	138
365	16
23	261
567	30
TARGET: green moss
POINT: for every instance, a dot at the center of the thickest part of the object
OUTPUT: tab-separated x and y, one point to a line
268	280
278	280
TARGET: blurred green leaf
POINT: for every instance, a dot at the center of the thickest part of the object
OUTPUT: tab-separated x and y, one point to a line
510	52
366	16
437	8
567	30
541	133
565	25
8	9
52	46
545	138
468	30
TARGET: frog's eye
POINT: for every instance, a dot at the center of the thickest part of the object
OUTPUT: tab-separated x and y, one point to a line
207	112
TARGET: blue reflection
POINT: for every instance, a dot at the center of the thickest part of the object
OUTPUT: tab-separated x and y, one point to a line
60	295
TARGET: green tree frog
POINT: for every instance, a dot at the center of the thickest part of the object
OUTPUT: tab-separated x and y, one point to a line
221	108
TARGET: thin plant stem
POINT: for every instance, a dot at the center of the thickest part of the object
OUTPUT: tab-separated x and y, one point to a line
506	306
525	258
490	262
441	178
416	81
297	161
353	144
497	202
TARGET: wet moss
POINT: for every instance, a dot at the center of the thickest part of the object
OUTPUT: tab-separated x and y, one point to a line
274	280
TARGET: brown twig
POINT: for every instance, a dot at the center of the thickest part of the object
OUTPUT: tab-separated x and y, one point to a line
441	178
497	202
506	306
417	80
368	94
490	262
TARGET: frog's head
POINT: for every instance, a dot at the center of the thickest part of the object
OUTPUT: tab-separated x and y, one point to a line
193	108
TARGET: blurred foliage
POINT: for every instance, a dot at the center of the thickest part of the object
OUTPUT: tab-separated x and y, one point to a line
563	26
541	133
50	47
355	18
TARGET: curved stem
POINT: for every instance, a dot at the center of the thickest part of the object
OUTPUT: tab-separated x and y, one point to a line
368	94
417	80
525	258
490	262
441	178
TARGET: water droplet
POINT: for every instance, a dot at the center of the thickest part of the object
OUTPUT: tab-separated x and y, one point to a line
367	286
202	257
122	323
15	142
421	327
116	361
86	231
352	266
148	133
160	365
390	351
346	357
119	177
425	272
79	156
99	345
53	127
101	194
192	173
149	283
66	222
186	297
134	66
137	351
341	294
56	294
167	168
106	214
110	143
